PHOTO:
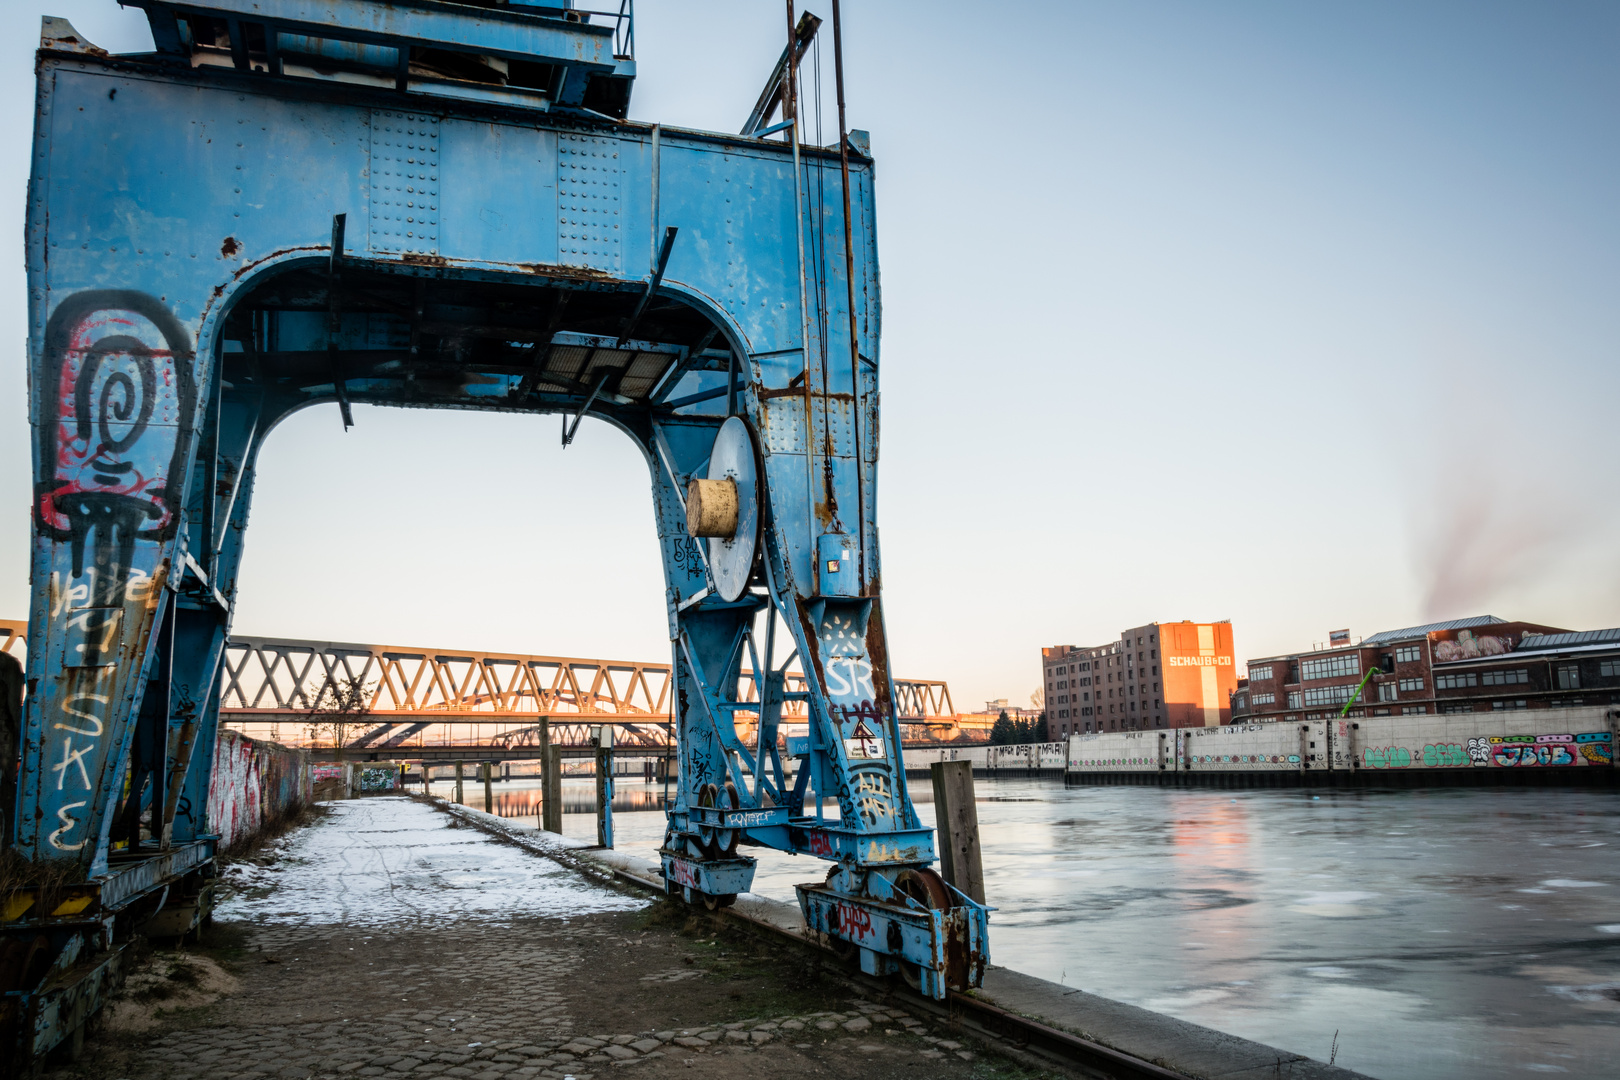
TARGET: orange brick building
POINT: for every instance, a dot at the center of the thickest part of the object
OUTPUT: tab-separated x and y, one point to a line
1161	675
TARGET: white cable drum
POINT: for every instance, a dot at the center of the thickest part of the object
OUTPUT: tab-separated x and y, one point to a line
731	558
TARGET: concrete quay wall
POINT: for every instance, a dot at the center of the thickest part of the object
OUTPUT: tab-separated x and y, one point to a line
1526	747
256	784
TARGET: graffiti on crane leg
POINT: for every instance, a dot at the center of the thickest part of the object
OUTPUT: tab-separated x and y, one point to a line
116	404
854	923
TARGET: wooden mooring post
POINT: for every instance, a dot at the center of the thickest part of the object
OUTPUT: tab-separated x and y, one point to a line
551	791
489	792
956	818
458	782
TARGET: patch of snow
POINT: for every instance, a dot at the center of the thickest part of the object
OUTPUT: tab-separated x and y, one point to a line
382	859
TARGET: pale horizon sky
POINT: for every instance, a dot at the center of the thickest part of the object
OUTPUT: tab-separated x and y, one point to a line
1303	316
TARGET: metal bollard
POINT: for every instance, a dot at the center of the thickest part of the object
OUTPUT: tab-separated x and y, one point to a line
603	738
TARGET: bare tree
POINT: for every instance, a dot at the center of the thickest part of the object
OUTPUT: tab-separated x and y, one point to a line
1038	698
341	704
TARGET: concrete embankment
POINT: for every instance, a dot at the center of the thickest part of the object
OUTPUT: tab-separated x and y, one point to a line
257	785
1056	1022
1572	747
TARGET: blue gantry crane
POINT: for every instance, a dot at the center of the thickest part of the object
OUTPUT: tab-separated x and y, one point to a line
305	203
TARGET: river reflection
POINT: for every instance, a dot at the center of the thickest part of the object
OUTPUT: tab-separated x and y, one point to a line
1440	933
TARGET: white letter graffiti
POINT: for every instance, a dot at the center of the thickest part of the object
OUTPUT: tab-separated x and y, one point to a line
839	687
68	708
68	823
71	756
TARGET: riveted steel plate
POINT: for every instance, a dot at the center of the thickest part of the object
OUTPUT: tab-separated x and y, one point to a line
590	202
404	183
784	425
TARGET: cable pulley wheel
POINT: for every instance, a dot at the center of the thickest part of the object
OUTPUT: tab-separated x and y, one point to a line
707	798
725	840
723	509
928	889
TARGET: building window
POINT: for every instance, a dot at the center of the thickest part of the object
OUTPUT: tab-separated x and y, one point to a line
1411	686
1331	667
1293	699
1260	674
1456	707
1569	676
1264	699
1516	704
1504	678
1408	654
1328	695
1386	691
1609	668
1413	710
1456	680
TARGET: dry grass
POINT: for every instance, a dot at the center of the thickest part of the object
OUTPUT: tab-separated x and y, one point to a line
47	877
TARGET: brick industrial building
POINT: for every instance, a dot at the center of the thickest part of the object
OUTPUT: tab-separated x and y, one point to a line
1480	664
1155	676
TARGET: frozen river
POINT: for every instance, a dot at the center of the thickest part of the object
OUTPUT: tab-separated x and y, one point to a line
1438	933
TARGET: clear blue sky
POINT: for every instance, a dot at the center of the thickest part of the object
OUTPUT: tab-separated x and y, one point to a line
1302	315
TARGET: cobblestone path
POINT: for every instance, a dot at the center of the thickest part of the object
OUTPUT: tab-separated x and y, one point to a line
370	947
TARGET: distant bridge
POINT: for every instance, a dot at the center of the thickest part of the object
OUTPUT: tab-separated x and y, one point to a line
446	703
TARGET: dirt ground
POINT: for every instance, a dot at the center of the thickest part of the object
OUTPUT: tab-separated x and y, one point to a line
655	992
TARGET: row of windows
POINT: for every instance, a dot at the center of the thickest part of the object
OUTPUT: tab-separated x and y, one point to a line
1505	678
1331	667
1260	674
1408	654
1455	680
1409	686
1265	699
1328	695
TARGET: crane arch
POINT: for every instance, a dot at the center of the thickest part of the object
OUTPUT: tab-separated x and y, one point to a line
216	243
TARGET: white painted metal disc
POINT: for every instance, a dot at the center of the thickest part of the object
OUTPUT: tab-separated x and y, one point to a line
732	559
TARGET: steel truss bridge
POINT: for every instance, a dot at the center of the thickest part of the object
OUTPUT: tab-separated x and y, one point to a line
444	703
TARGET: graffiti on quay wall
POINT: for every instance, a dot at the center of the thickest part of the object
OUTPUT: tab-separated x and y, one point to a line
254	783
1526	751
1444	755
379	778
1596	747
1500	751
